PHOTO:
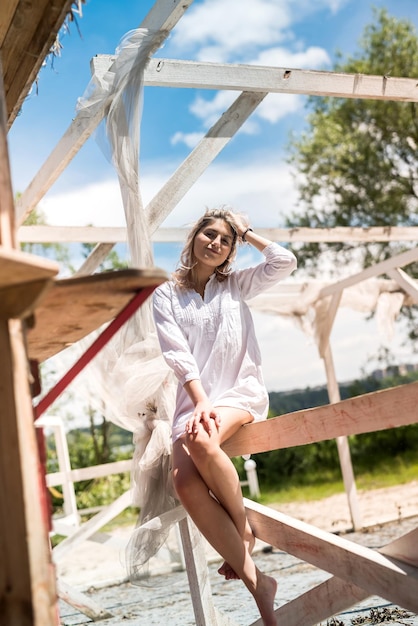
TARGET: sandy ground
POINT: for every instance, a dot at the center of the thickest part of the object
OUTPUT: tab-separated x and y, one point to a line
98	570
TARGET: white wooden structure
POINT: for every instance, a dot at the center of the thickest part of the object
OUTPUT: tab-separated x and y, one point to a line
358	572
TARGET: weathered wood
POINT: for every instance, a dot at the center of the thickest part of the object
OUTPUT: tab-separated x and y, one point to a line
7	11
197	574
74	307
27	586
407	283
200	75
95	523
95	259
400	260
342	441
30	35
323	601
82	602
117	234
370	412
199	159
372	571
87	473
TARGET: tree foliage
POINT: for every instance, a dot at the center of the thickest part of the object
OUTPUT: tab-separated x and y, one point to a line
356	163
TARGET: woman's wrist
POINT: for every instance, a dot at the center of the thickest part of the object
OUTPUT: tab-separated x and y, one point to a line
244	234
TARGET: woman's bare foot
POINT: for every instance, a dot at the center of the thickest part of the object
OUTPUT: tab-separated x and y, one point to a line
226	570
264	596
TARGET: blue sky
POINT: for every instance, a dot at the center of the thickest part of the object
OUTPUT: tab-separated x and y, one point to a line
250	174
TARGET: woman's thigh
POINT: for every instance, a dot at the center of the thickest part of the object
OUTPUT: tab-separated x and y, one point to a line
231	420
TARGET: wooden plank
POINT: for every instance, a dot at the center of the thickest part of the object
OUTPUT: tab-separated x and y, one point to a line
201	157
372	571
74	307
94	524
7	11
197	574
82	602
200	75
405	258
370	412
320	603
163	16
19	267
19	301
29	38
117	234
86	473
334	594
27	585
7	230
407	283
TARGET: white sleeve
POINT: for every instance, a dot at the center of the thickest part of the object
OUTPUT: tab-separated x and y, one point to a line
279	264
173	342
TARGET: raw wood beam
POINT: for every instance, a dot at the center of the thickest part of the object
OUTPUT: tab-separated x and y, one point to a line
199	75
114	234
370	412
33	30
405	258
198	160
163	16
372	571
407	283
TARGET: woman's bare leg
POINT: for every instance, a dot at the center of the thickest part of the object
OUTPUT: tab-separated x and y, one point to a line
222	520
220	475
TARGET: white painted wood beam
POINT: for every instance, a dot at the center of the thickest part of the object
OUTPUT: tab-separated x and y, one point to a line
115	234
405	258
407	283
372	571
163	16
199	75
199	160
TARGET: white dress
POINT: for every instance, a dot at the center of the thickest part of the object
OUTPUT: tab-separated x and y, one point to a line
213	338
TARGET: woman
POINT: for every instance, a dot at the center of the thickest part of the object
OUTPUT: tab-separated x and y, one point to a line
207	337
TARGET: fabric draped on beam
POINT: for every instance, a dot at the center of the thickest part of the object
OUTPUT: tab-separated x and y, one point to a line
135	387
302	303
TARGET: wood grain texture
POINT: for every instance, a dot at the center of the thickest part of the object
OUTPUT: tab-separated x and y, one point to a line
367	413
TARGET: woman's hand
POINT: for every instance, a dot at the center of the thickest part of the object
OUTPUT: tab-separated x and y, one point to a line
204	413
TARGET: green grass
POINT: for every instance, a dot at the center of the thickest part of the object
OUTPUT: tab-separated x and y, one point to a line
393	471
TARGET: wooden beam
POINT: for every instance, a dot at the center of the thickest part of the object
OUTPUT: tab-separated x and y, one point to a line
407	283
372	571
199	75
370	412
28	41
335	594
405	258
95	300
163	16
199	159
115	234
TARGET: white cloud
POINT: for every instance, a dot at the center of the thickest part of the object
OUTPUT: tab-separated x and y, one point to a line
230	28
311	58
189	139
263	188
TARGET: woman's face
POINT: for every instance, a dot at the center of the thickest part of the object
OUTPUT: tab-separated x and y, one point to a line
213	244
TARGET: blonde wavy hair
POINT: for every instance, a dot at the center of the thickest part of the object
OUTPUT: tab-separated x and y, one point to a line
184	274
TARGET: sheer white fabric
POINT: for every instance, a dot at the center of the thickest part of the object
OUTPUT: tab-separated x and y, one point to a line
135	385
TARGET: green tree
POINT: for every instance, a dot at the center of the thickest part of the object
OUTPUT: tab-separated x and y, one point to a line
356	162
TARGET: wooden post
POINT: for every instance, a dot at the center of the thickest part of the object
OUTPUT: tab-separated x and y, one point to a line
342	444
27	581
